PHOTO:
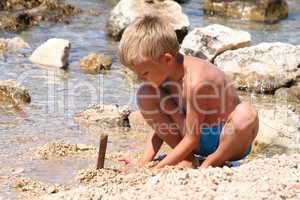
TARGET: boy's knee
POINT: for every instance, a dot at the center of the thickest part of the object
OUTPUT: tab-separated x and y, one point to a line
245	116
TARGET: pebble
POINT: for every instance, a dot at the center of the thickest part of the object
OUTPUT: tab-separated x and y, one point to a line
17	171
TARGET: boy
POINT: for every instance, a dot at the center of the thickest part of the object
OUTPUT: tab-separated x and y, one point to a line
190	104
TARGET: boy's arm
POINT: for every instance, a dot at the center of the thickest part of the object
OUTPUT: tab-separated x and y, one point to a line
152	146
191	131
154	142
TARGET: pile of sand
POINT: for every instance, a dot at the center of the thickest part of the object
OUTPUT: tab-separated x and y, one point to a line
265	178
31	188
62	149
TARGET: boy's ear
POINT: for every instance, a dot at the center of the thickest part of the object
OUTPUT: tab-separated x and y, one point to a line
167	58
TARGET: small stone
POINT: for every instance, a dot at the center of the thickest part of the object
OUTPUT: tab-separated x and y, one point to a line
3	46
54	52
52	189
95	63
227	170
84	147
95	12
17	43
13	96
17	171
12	44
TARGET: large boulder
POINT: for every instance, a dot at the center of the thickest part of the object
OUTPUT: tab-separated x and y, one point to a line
94	63
262	68
127	10
279	126
54	52
104	116
115	2
210	41
19	15
13	96
260	10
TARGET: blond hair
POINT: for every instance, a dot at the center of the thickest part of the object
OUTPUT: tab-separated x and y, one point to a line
149	36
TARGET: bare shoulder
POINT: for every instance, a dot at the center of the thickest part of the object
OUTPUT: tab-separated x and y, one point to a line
201	71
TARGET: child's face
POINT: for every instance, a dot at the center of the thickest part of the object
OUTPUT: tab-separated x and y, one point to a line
155	71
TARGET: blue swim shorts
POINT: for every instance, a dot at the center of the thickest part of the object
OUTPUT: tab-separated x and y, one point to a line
209	141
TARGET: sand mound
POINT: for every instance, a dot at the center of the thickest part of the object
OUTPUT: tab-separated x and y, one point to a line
268	178
62	149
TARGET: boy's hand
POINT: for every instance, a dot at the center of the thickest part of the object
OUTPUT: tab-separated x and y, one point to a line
127	161
133	162
130	164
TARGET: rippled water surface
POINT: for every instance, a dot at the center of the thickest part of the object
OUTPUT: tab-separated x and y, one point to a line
58	95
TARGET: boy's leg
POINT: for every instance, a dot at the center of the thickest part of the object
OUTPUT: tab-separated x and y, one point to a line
237	135
166	126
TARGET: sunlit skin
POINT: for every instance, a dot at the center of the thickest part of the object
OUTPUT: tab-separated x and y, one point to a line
207	96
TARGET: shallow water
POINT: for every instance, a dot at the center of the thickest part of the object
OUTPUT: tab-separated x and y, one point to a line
58	95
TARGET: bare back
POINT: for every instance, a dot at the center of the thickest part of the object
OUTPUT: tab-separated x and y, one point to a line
221	97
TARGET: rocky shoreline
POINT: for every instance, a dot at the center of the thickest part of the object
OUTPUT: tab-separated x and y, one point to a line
264	70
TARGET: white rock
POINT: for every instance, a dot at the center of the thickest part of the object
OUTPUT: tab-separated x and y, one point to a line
279	126
127	10
262	68
104	116
54	52
210	41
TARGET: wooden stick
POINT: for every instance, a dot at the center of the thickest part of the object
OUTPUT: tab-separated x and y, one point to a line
102	151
